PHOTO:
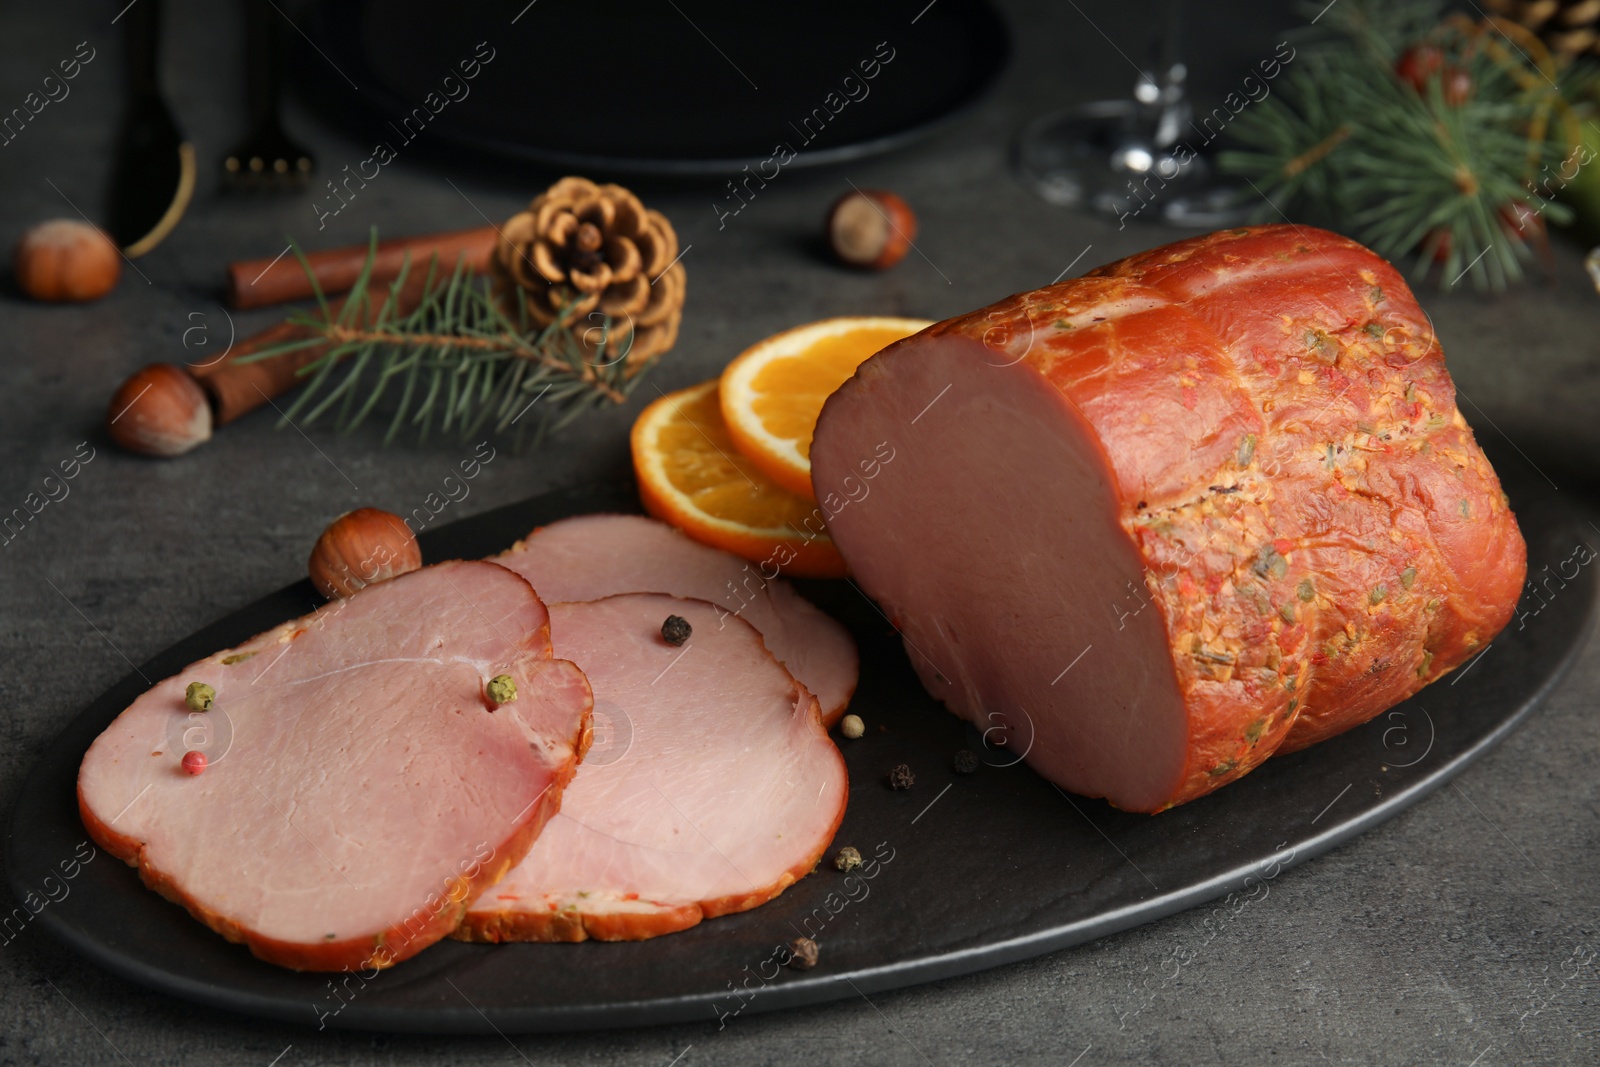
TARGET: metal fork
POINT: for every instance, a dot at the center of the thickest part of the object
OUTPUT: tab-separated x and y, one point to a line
266	159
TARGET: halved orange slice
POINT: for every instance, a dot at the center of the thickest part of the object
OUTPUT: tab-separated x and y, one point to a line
774	391
691	475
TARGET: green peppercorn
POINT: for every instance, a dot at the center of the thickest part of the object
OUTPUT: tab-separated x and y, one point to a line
502	690
199	696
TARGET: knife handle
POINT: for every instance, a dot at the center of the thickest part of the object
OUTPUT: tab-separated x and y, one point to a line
144	48
263	61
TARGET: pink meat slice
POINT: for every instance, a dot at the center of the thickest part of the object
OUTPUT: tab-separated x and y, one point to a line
594	556
712	785
361	788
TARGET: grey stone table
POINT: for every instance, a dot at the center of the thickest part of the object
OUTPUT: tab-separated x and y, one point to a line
1462	932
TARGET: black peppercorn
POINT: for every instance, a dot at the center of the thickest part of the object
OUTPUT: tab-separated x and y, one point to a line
966	762
901	777
676	630
802	954
848	859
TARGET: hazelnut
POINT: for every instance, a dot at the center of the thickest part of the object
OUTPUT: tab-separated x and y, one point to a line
160	411
871	228
361	547
65	259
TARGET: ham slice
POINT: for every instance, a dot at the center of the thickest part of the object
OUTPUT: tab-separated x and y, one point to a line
594	556
1157	523
362	787
719	787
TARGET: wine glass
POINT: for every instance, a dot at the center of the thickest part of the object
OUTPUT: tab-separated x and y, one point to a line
1126	158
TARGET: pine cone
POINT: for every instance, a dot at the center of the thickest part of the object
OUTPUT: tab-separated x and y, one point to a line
1567	27
583	250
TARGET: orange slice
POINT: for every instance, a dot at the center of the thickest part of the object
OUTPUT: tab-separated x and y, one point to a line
691	475
774	391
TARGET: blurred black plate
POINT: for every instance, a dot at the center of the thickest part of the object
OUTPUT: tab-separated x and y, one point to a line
668	87
982	869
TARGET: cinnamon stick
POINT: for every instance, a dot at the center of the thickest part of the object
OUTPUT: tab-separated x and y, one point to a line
254	283
237	388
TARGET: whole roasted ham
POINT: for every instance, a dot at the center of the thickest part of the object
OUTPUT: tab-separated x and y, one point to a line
371	786
1208	503
719	787
593	556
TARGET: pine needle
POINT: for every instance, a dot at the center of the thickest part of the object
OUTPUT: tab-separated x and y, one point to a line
1344	142
460	362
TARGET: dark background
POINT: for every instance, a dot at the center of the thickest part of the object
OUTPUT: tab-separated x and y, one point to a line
1462	932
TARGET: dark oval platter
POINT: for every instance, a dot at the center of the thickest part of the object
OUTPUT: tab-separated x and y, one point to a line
964	872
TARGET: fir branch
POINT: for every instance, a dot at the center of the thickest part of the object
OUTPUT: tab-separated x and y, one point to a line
1381	29
1346	143
1317	152
459	362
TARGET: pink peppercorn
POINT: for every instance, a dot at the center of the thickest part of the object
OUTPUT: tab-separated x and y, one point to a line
194	762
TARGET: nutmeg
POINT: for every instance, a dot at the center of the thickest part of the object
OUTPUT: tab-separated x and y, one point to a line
361	547
871	228
65	259
160	411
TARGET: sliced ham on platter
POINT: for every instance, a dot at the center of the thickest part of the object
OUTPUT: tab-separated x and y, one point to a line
718	787
362	786
1154	524
593	556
